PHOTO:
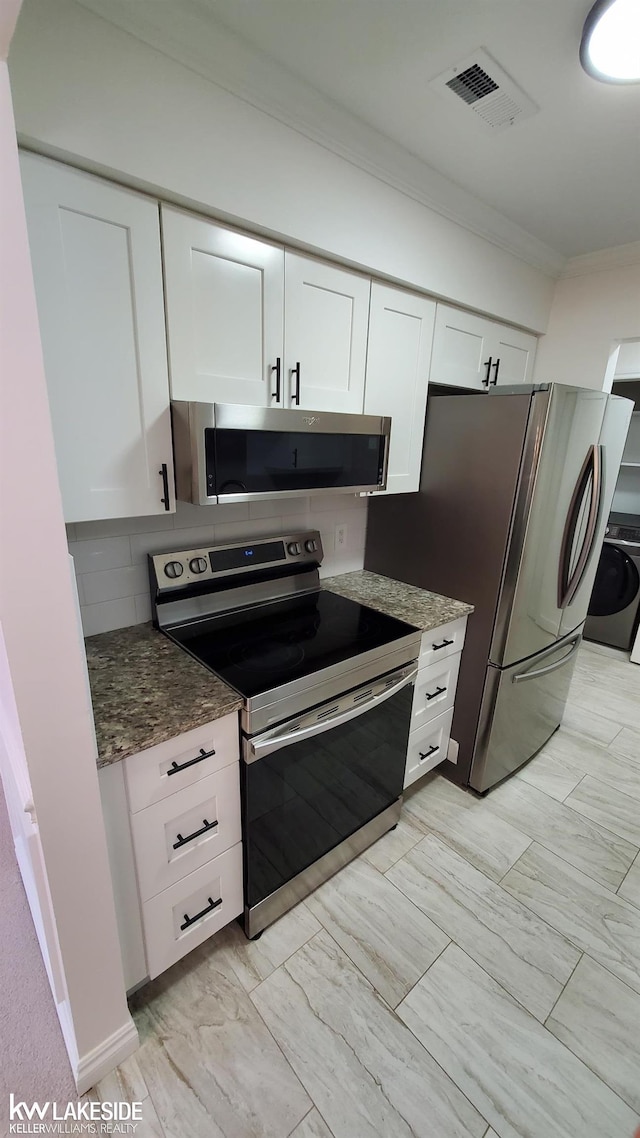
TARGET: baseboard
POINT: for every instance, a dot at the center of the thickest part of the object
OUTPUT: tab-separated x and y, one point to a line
97	1063
68	1033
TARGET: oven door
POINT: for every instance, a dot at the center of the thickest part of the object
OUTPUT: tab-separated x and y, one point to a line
313	783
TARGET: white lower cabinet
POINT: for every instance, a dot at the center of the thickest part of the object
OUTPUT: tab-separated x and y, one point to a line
182	832
435	690
428	746
442	642
179	763
175	850
190	911
433	698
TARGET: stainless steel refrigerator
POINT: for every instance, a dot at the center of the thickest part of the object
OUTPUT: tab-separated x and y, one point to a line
515	492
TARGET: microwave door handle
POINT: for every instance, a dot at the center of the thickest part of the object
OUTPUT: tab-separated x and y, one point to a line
258	749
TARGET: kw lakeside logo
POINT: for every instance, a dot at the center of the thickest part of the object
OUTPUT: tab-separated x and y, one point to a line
74	1118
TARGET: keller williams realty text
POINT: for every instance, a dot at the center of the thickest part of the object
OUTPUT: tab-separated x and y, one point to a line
125	1112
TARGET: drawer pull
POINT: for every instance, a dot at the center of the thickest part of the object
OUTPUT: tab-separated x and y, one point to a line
196	834
433	694
175	767
188	921
427	754
445	644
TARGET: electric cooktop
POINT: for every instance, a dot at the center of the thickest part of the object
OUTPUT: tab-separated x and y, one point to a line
264	646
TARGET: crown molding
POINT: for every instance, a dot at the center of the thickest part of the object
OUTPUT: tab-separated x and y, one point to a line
188	33
602	260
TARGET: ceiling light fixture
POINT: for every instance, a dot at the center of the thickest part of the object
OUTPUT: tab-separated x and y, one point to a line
610	45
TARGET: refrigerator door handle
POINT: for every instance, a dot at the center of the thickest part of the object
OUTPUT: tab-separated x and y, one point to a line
568	585
520	677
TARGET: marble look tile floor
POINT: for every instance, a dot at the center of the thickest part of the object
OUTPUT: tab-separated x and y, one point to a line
476	973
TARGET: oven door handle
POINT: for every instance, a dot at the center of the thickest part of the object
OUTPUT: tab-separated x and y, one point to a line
259	748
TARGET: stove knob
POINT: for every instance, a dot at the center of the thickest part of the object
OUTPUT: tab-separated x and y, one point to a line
293	548
173	569
310	545
197	565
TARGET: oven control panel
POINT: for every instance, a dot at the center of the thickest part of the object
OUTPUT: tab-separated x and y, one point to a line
184	567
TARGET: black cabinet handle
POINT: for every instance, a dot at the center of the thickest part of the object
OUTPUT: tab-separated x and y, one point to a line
487	364
276	367
188	921
445	644
496	367
433	694
427	754
174	768
295	398
164	474
196	833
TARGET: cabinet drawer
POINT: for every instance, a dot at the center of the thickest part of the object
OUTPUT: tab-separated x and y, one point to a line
443	641
435	690
204	902
160	771
428	747
185	830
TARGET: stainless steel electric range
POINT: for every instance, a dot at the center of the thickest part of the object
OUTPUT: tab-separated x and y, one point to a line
327	686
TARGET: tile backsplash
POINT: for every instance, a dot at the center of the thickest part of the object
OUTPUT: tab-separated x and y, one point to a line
110	557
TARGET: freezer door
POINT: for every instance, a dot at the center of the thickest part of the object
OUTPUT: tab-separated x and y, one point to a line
521	708
557	517
579	557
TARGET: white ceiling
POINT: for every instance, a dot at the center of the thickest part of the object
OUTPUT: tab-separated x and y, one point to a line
569	176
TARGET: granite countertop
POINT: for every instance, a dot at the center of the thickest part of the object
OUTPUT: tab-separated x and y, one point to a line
417	606
145	690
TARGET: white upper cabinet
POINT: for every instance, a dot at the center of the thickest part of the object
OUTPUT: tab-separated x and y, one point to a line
326	317
460	349
400	338
224	312
513	355
250	323
95	251
474	352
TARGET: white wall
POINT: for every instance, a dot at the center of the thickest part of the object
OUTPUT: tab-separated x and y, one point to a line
87	90
111	557
48	744
594	307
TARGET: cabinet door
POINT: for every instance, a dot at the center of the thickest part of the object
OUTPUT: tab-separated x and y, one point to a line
224	312
461	349
95	251
515	352
326	318
400	339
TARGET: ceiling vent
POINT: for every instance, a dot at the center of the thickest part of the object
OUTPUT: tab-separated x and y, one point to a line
482	86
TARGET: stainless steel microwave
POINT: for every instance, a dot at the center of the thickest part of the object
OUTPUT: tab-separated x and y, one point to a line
229	453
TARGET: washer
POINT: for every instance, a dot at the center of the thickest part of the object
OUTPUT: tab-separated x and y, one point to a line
614	608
